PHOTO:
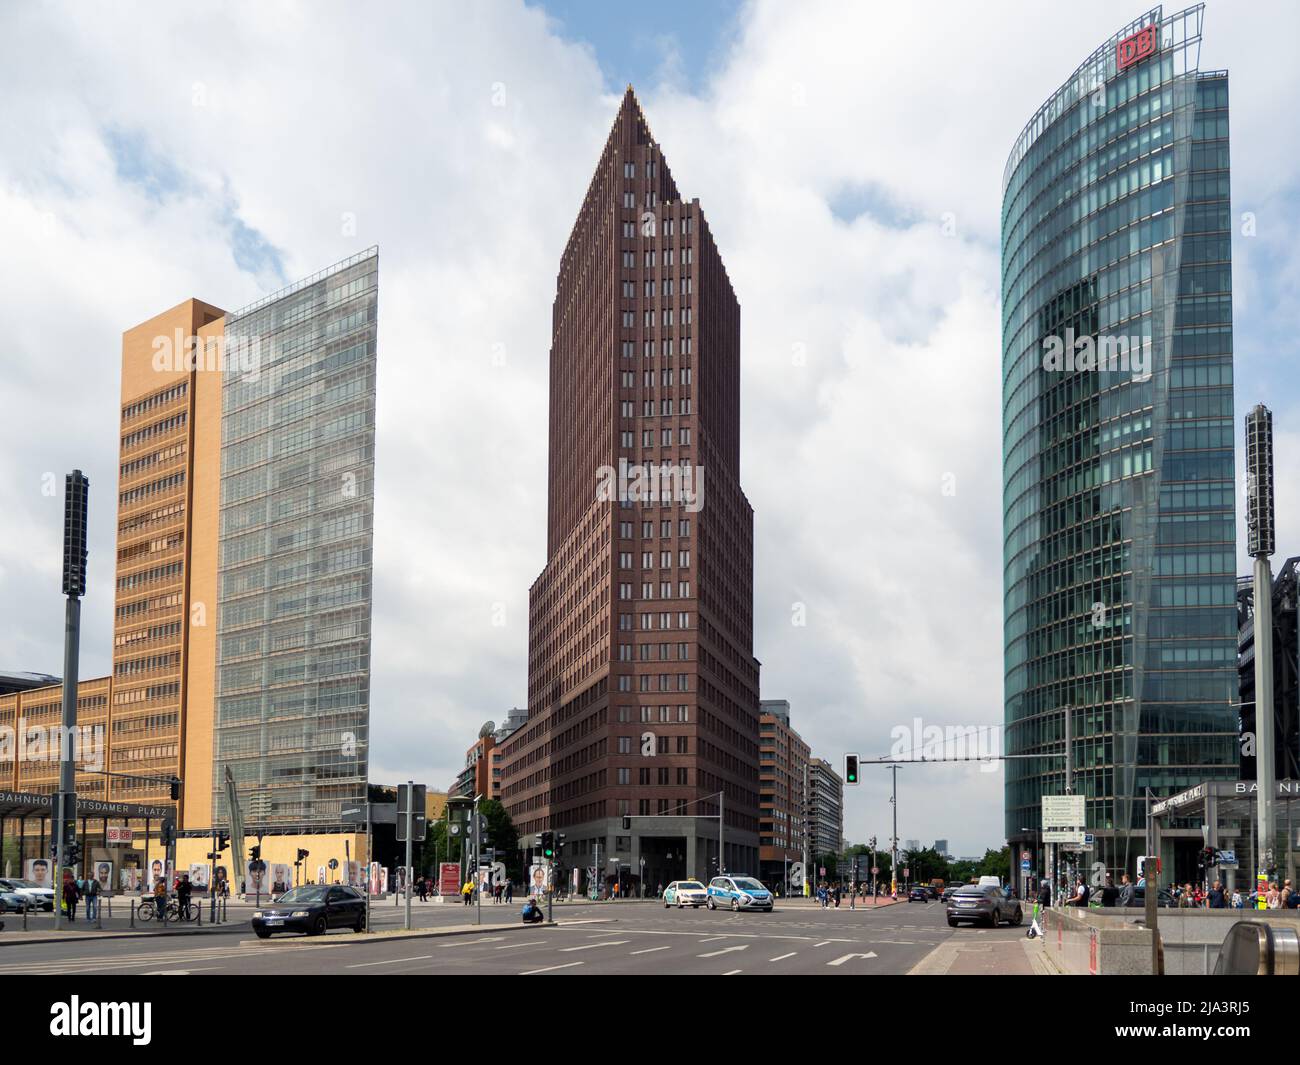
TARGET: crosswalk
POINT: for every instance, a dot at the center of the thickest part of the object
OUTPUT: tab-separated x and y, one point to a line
153	961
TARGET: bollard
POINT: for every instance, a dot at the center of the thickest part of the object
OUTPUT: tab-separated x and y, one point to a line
133	913
26	907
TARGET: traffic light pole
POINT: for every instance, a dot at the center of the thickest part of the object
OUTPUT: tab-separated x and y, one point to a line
478	887
66	805
410	828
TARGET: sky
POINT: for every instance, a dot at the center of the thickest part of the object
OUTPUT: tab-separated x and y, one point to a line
849	159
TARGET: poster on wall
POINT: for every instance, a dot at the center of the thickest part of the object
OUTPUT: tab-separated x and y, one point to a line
129	879
199	876
257	879
320	874
104	875
378	878
281	878
352	874
449	878
37	870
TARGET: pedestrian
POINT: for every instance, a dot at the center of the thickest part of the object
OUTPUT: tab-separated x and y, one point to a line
160	897
1109	893
1290	897
509	892
467	891
1080	897
92	898
1126	893
70	896
422	885
1216	897
1045	892
1273	897
184	891
1238	903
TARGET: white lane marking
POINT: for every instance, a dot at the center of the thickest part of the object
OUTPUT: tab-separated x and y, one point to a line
388	961
470	942
724	950
849	957
530	943
179	972
782	957
732	973
714	939
593	946
550	969
823	942
648	950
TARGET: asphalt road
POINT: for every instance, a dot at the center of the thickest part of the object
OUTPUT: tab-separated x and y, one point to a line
589	939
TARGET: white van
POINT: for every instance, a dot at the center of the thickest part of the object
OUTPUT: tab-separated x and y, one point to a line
990	881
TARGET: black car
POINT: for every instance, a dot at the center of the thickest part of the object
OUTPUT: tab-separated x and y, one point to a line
1164	897
918	894
314	909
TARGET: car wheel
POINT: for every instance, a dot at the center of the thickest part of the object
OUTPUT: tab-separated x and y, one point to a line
1018	918
993	917
262	933
735	905
711	905
665	905
952	923
360	926
318	927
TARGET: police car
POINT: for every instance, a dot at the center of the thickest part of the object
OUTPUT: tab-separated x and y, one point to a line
739	893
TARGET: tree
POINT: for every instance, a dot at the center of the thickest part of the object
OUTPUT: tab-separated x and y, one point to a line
996	863
505	838
926	865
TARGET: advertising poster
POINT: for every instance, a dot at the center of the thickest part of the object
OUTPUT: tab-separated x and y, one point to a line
104	874
320	874
257	881
199	876
449	878
538	879
378	878
281	878
37	870
129	879
352	874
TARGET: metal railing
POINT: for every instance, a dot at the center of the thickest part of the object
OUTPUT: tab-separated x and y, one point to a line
1259	948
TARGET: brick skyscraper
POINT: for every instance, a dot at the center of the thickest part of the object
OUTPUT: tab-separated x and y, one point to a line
642	684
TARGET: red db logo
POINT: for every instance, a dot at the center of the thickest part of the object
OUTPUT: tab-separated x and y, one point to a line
1137	47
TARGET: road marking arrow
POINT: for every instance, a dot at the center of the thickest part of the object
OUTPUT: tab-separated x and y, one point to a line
850	957
724	950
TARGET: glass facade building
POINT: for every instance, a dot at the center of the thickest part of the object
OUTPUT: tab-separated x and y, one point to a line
297	507
1118	493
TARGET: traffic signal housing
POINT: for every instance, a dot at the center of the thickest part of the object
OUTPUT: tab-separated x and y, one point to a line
223	841
548	845
850	769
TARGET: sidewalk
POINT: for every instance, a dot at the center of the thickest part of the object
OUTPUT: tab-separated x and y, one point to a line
975	956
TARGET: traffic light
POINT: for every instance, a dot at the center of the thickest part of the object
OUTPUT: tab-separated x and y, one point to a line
71	853
548	845
850	769
175	789
168	833
223	841
302	854
1207	857
255	853
74	534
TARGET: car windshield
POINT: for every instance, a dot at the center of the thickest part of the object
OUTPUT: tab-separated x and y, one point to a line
307	893
690	885
745	884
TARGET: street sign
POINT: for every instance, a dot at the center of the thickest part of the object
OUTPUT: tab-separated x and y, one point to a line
411	796
875	870
1024	864
119	834
1063	811
1226	859
1024	856
334	863
1063	835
